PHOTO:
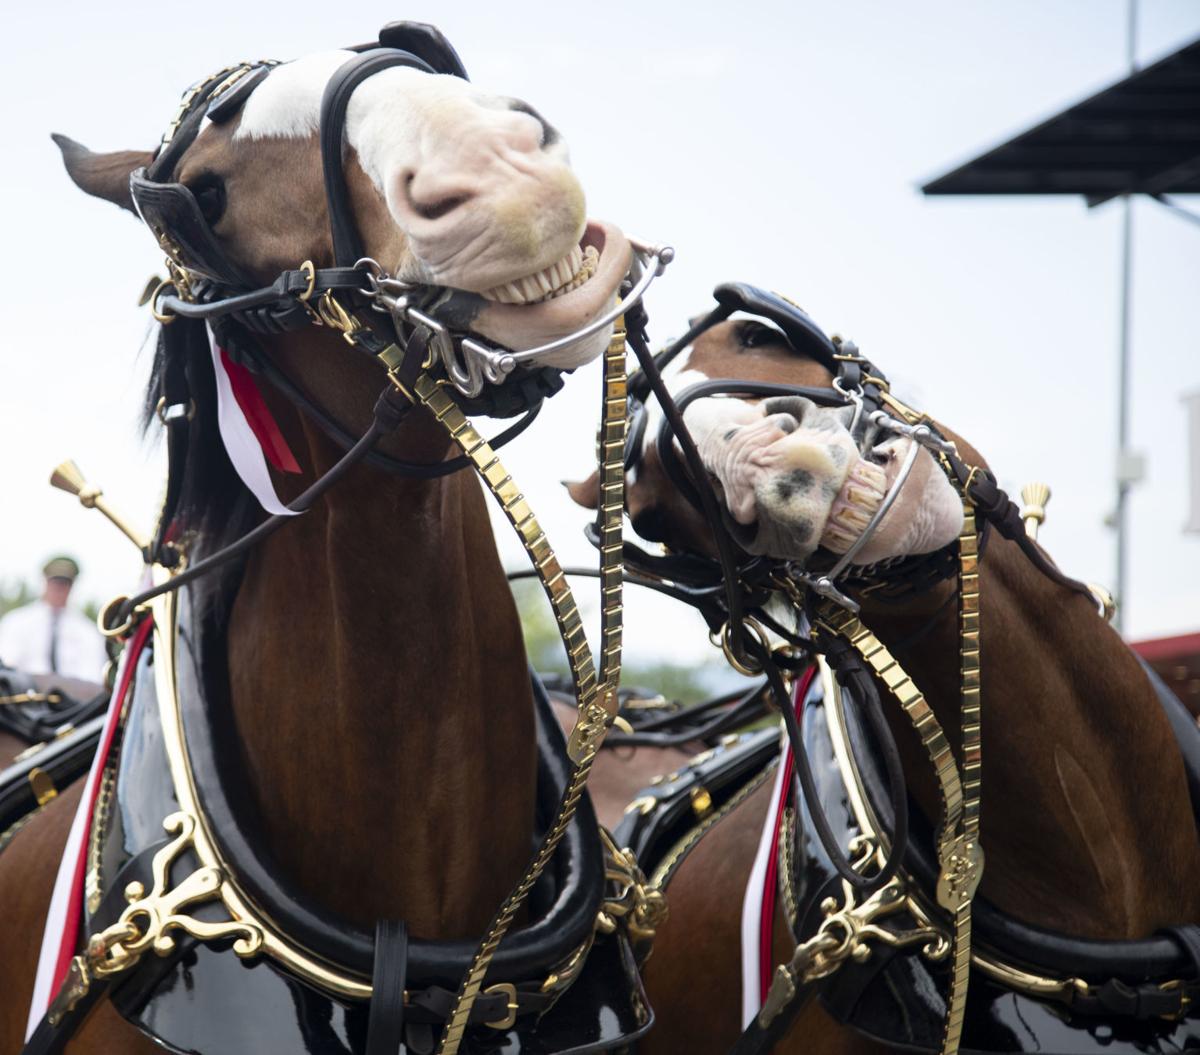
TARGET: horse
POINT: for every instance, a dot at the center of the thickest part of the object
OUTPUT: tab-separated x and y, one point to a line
374	708
1087	821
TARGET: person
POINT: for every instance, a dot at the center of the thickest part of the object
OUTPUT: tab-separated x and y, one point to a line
47	637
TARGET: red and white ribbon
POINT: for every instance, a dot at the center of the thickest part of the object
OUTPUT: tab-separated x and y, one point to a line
762	888
61	934
249	432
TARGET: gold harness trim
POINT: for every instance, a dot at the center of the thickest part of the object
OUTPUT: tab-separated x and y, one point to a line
960	856
596	695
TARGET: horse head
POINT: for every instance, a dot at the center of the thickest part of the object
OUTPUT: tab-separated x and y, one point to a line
793	475
465	195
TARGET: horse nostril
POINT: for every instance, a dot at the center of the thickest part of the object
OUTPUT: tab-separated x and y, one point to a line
431	205
436	210
549	134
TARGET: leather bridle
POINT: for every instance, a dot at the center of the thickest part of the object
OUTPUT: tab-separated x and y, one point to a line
827	614
401	330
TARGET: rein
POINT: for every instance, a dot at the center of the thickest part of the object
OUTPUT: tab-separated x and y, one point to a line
859	659
423	360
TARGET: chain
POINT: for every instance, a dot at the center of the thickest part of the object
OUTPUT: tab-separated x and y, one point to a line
17	698
962	869
596	696
960	856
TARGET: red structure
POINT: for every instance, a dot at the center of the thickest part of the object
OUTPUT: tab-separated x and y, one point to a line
1177	661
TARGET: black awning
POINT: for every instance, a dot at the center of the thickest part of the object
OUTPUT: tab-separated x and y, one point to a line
1139	136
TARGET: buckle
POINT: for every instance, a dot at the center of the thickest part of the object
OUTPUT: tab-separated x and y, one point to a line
510	1018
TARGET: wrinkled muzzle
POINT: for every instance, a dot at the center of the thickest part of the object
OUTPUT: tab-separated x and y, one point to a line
794	478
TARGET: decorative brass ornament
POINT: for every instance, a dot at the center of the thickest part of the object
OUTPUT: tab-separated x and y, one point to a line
67	477
149	919
847	933
636	902
1035	496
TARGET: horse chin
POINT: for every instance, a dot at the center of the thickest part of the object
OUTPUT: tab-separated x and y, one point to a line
524	326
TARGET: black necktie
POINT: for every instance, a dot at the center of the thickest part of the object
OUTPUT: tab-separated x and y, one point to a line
54	640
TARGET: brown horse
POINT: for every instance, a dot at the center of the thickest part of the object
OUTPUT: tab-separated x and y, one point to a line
378	682
1087	822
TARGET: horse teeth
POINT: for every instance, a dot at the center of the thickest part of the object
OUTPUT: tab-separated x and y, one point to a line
564	275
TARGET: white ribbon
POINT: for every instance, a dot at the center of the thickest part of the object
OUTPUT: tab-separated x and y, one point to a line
56	917
241	444
752	902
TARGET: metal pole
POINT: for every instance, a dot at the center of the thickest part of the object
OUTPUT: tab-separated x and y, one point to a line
1123	484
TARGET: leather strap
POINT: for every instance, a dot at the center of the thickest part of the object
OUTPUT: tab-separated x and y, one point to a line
58	1024
758	1039
347	243
385	1029
1188	937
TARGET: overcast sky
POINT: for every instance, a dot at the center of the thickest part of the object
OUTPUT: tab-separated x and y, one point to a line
777	143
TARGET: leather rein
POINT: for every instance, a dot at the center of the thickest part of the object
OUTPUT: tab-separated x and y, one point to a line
424	360
733	593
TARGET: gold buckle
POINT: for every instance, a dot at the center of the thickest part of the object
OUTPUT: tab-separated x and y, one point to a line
510	991
310	272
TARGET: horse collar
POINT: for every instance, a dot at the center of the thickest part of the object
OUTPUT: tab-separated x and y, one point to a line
170	810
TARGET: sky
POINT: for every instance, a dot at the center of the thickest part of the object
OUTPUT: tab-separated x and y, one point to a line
777	143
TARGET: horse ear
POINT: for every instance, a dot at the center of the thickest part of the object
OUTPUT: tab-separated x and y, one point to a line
585	492
102	175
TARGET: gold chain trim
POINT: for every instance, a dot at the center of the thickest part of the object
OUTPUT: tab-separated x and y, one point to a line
596	696
960	856
101	816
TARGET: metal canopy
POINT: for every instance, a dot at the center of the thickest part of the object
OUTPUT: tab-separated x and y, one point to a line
1139	136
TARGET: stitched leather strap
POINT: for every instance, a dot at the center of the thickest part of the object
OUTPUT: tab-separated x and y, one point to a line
385	1030
347	243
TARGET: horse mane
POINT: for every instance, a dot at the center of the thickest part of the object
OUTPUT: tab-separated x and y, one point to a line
214	507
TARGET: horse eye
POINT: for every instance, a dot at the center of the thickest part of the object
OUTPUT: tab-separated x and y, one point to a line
209	192
755	335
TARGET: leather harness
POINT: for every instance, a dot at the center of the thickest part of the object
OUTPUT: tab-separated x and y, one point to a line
205	287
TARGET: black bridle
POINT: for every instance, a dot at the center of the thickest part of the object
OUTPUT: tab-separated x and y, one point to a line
733	591
207	288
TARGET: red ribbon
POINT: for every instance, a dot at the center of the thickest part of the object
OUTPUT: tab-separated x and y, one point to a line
258	416
766	931
75	903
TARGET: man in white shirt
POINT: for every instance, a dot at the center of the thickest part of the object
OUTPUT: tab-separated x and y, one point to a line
47	637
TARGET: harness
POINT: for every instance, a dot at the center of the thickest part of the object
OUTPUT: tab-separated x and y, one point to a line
734	592
425	359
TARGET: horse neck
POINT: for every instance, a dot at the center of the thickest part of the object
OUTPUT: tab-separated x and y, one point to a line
1086	817
380	693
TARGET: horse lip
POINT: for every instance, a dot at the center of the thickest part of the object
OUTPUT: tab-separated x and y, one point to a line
524	326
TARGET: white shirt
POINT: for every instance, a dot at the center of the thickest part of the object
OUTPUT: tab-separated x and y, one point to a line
25	639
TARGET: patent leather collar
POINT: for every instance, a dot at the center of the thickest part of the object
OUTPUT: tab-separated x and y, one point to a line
596	1004
570	897
1158	958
